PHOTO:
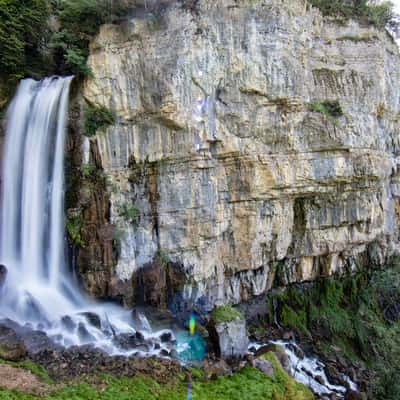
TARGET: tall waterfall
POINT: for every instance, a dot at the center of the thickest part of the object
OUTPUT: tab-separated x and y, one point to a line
38	290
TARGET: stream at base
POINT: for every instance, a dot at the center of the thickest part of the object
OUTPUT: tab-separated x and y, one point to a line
308	370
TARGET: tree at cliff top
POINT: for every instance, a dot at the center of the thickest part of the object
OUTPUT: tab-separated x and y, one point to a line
31	44
23	25
379	14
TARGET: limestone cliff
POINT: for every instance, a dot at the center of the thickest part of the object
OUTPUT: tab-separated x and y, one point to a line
217	168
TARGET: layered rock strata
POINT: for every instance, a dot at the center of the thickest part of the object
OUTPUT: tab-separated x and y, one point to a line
219	166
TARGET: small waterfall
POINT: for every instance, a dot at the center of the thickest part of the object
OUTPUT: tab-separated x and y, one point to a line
39	289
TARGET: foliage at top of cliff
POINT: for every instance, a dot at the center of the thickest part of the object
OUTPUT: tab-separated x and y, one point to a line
22	29
378	14
42	37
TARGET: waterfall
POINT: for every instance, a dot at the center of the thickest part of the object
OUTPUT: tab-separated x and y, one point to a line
38	290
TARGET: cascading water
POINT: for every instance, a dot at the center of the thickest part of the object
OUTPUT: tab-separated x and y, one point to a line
38	290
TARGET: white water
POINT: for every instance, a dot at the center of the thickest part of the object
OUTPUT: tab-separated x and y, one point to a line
38	289
310	371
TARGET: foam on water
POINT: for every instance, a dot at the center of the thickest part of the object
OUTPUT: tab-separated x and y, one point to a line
309	371
38	289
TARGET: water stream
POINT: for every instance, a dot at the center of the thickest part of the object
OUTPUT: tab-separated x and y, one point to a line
308	370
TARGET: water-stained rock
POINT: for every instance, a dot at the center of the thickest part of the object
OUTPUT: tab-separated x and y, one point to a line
234	174
3	275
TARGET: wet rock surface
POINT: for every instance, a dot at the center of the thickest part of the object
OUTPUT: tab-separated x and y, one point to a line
3	275
12	347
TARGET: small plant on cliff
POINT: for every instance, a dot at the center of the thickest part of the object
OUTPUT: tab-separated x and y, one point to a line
87	170
162	258
95	118
225	313
130	212
326	107
73	226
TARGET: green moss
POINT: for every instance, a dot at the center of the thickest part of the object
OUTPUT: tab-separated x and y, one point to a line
327	108
248	383
356	314
73	226
225	313
97	117
294	319
287	387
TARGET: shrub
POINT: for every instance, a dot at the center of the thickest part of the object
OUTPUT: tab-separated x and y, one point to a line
379	15
97	118
130	212
73	226
79	22
327	108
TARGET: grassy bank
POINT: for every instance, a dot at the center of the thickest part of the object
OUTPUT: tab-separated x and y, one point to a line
358	316
248	383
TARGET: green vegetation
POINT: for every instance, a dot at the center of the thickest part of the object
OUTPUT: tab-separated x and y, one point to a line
23	25
87	170
130	212
79	21
97	118
73	226
359	314
357	38
225	313
33	44
248	383
162	258
375	14
291	389
327	108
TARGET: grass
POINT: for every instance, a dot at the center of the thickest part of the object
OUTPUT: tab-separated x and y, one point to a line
248	383
356	314
36	369
225	313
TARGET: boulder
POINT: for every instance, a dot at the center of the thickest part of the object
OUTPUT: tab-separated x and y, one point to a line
12	347
263	365
215	368
92	318
229	338
3	275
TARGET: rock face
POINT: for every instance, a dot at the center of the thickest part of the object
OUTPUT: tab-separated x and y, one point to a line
230	174
230	337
